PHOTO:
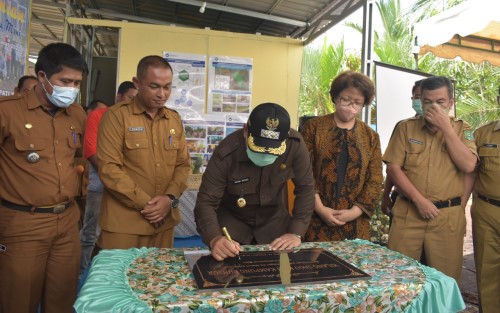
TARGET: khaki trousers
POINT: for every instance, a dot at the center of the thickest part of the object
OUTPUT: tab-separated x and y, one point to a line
40	263
486	237
442	237
109	240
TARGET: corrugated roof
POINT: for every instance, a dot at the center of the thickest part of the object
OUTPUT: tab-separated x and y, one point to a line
305	19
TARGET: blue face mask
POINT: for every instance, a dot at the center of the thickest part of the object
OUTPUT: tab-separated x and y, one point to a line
417	106
261	159
61	97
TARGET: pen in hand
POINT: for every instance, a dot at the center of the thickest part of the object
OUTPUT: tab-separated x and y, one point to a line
224	230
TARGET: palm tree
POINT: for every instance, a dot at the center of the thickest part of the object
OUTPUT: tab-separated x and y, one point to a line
319	67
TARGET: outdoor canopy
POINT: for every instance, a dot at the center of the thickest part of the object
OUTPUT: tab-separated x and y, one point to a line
470	30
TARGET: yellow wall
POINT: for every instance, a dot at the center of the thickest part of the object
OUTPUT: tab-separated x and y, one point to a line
276	61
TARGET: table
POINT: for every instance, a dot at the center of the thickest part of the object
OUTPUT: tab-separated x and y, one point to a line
159	280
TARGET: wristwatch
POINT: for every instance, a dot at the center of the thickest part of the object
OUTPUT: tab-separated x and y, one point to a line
174	202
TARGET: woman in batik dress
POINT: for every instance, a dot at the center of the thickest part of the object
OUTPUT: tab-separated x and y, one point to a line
347	163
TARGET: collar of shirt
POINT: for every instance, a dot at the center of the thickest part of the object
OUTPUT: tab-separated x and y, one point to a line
139	109
497	126
241	152
32	102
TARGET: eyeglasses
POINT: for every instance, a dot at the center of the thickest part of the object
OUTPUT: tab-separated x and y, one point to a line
348	102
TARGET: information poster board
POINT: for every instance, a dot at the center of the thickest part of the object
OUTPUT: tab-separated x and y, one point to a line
230	85
188	83
205	133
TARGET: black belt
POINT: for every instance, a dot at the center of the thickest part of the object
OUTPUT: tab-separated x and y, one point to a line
56	209
440	204
489	200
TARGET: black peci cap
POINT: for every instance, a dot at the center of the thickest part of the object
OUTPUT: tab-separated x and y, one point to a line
268	127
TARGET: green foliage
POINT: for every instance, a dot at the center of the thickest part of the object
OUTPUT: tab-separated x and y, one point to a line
319	67
476	84
476	90
395	44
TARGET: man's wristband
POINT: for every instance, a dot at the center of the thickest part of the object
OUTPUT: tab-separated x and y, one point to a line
298	236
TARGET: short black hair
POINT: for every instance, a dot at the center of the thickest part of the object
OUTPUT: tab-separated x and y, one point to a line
151	61
23	79
93	104
436	82
54	56
416	85
125	86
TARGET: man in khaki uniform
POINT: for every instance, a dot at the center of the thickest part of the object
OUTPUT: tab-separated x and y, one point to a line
41	133
485	215
426	158
143	163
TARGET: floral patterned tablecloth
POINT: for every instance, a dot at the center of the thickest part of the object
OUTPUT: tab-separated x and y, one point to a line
159	280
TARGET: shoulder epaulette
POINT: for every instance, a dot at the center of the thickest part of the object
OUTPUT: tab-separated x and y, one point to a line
487	124
9	98
293	134
173	111
228	146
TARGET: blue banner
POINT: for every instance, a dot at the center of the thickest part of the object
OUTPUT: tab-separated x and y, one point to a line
14	34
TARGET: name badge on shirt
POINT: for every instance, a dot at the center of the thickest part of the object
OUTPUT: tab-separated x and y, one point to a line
135	129
243	180
418	142
490	145
469	134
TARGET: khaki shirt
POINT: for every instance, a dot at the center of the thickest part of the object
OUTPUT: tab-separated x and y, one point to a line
488	146
231	175
27	127
424	159
139	158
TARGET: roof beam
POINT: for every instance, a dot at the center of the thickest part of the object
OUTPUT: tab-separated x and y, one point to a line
47	22
43	37
263	16
128	17
50	4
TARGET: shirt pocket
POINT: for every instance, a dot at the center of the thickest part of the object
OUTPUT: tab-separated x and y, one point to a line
414	154
490	159
74	140
136	143
26	145
171	149
137	149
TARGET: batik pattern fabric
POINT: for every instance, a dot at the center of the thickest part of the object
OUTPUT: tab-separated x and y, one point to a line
363	175
159	280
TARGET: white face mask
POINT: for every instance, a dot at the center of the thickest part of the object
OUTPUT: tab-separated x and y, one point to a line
61	97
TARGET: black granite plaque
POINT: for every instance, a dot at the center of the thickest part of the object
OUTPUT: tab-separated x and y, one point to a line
268	268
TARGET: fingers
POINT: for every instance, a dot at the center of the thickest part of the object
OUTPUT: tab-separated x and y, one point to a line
430	213
334	221
156	219
153	216
285	242
222	248
155	213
